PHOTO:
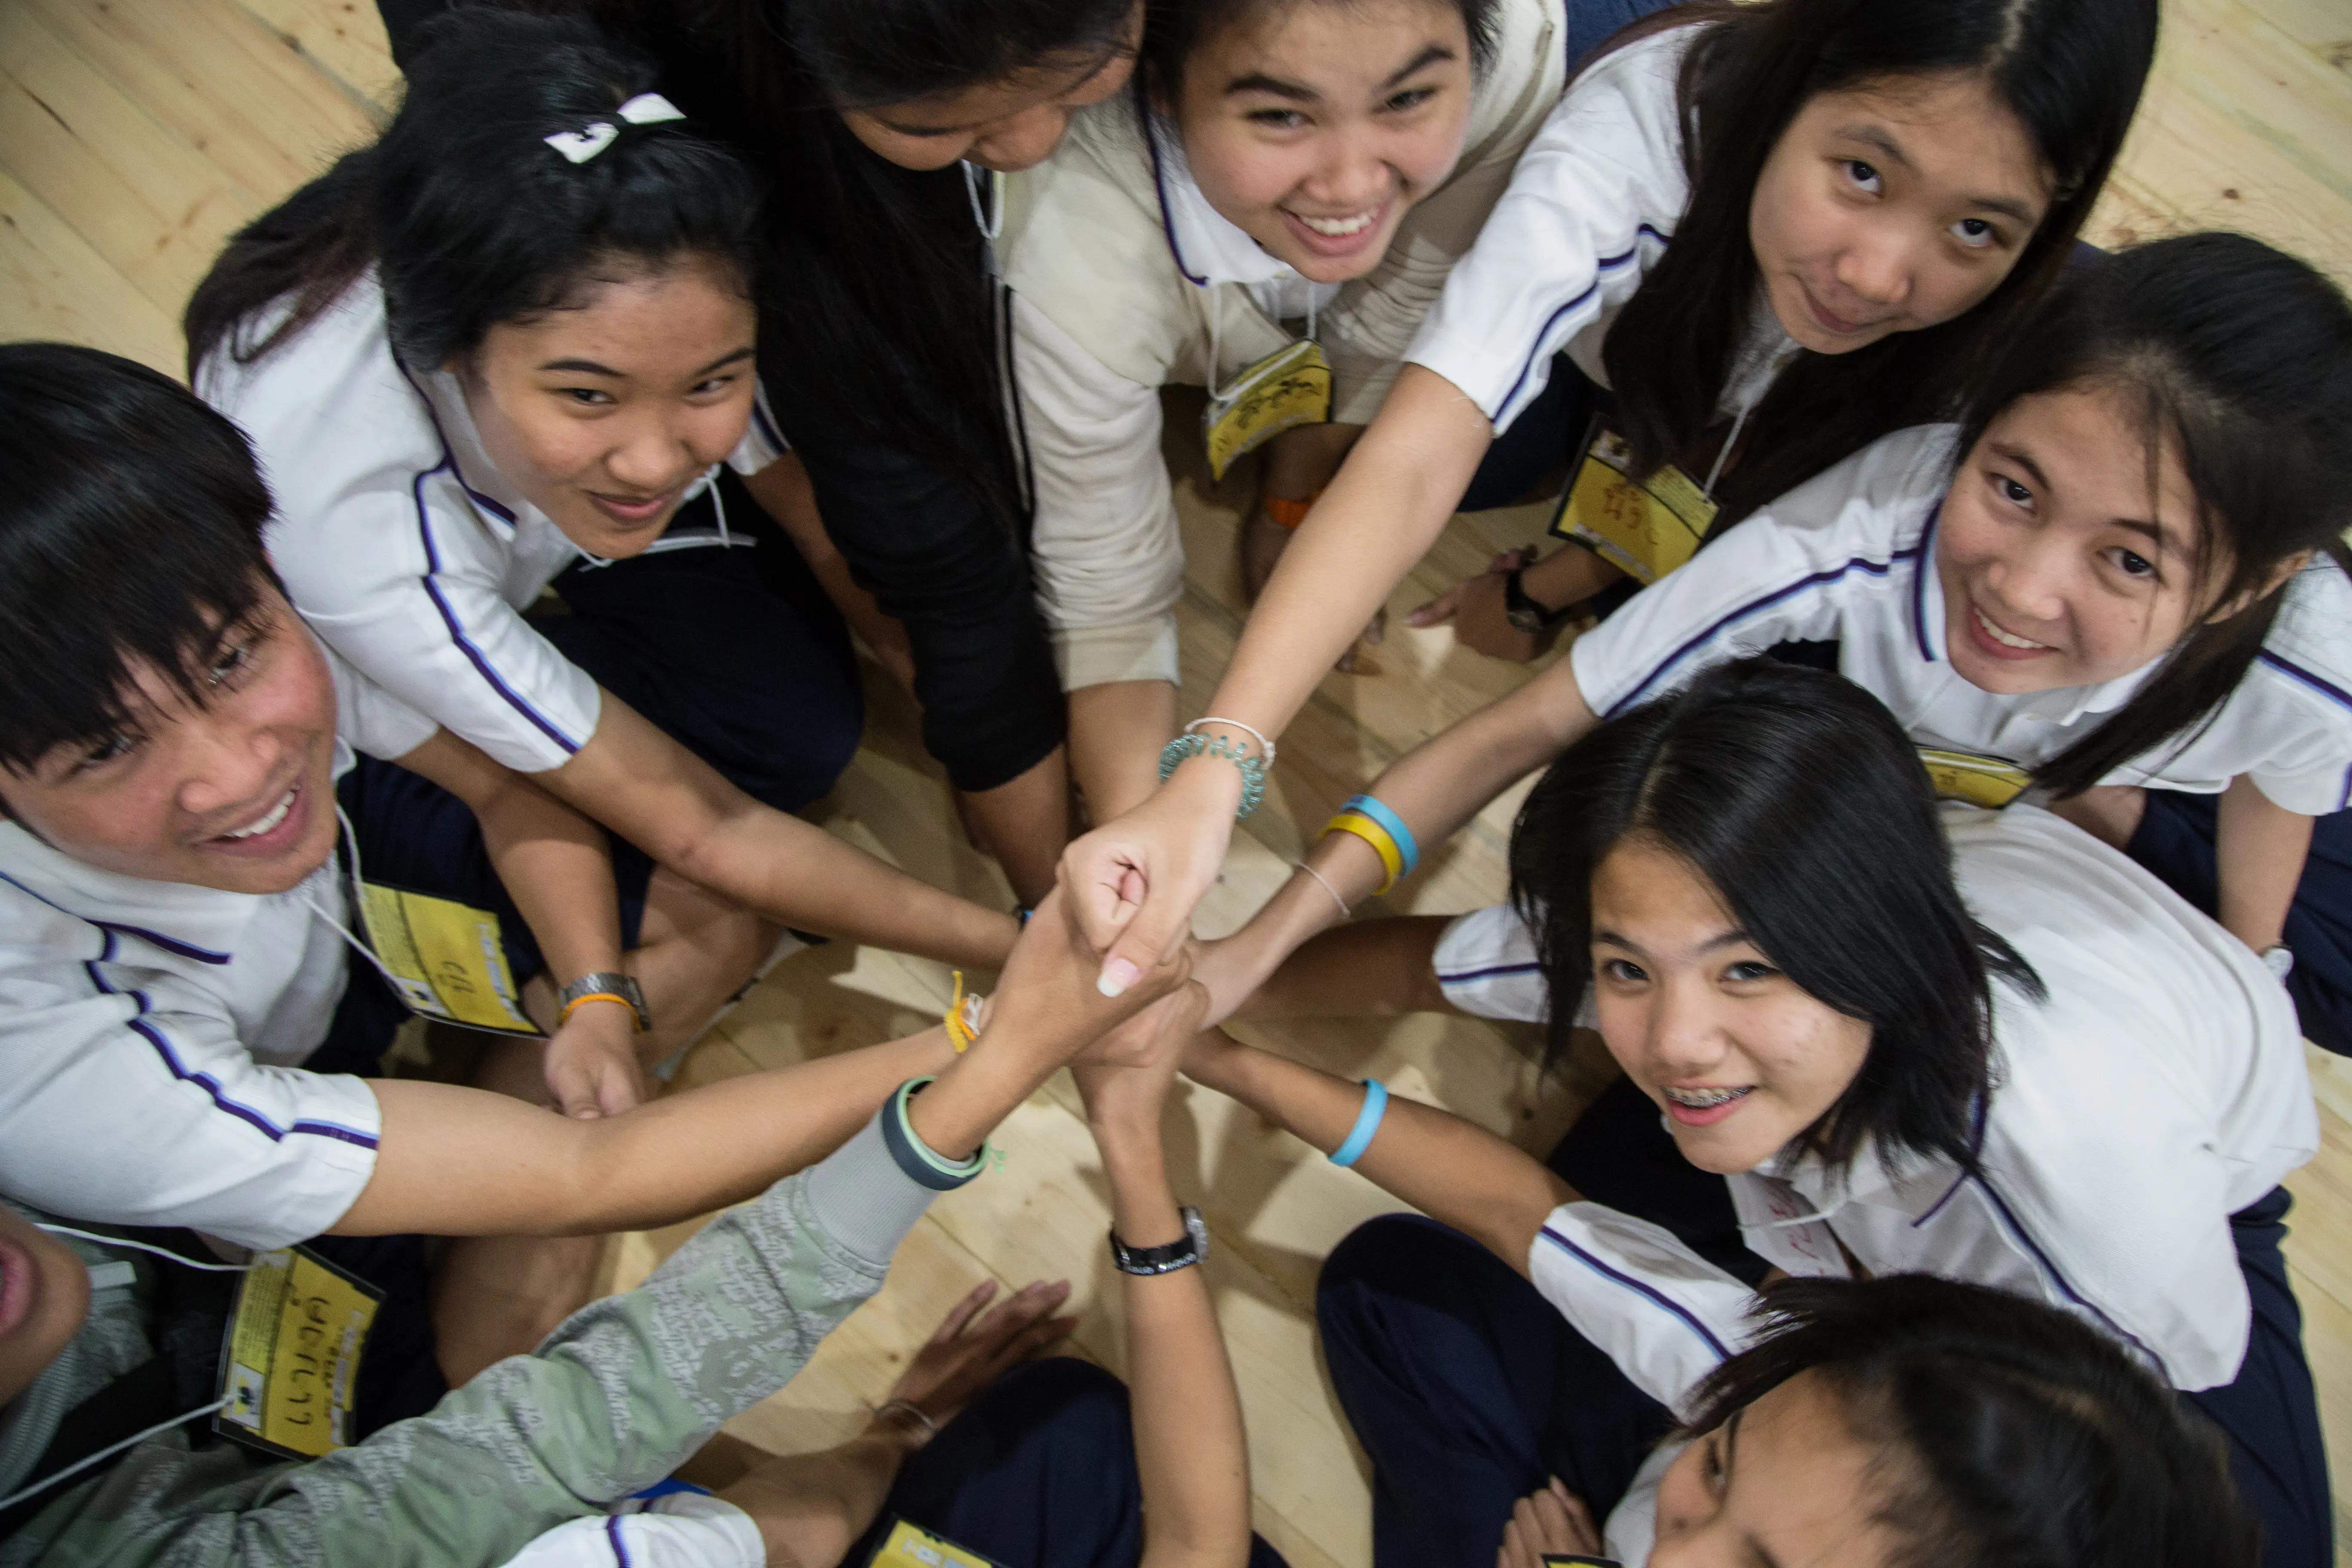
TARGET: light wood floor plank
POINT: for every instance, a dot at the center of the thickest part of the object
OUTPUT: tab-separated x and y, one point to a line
53	284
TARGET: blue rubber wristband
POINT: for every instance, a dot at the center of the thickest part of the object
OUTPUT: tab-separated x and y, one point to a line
1368	1122
1407	851
922	1163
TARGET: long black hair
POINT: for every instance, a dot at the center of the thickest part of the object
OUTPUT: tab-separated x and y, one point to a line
466	213
1798	798
2007	1433
2071	70
878	291
130	537
2237	358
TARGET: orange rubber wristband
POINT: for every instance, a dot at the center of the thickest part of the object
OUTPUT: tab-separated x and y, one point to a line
1289	514
577	1002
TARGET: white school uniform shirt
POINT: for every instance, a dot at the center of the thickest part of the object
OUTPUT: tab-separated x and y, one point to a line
1849	555
153	1033
402	545
1126	280
2158	1090
680	1529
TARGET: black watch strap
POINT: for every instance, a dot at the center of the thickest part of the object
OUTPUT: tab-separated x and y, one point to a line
1521	610
1164	1259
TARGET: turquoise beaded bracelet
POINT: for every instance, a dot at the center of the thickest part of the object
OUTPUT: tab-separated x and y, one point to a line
1184	747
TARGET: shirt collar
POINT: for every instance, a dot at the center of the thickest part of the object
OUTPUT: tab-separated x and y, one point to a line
201	923
2062	705
1209	246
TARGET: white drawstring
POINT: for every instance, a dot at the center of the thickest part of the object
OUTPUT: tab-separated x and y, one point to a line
144	1247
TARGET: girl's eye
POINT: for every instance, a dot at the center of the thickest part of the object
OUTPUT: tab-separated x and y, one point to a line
1623	971
1862	174
2012	491
588	396
715	384
1749	970
1277	118
1412	97
2134	564
119	744
1976	234
231	663
1710	1462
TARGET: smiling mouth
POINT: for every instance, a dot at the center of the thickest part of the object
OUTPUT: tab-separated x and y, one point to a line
1339	227
267	819
2006	639
1704	1098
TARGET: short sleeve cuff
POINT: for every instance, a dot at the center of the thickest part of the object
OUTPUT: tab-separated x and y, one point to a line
1488	965
1098	655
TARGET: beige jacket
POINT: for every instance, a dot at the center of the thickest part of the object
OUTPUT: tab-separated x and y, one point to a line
1126	280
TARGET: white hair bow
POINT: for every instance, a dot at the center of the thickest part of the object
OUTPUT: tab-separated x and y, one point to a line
645	109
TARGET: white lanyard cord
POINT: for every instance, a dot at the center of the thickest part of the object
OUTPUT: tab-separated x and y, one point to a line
12	1499
351	840
1738	421
990	223
163	1252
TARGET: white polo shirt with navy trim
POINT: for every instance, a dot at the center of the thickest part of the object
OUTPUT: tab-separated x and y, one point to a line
1849	555
153	1034
2158	1090
399	541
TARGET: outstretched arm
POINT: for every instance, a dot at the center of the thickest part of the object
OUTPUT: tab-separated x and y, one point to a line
676	806
463	1162
1452	1171
1436	788
1136	880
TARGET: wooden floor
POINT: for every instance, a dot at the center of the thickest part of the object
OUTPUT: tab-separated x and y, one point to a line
136	134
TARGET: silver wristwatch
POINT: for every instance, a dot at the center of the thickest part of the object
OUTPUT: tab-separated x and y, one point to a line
610	982
1164	1259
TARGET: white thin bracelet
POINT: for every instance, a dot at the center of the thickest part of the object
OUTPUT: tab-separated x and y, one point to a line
1344	911
1264	744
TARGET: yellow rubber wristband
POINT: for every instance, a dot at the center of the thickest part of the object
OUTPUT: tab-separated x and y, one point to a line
1374	834
578	1002
961	1032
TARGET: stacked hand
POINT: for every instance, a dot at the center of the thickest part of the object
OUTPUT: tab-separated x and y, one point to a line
592	1062
1047	999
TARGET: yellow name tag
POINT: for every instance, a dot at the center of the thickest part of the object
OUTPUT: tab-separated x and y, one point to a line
291	1365
1978	781
910	1546
445	958
1645	529
1290	386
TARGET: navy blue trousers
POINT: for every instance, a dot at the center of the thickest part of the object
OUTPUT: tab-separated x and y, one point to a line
1469	1391
2176	841
1037	1472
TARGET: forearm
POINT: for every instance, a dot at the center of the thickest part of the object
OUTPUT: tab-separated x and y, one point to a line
462	1162
1450	1170
1371	969
2259	850
1383	510
812	1508
1190	1452
804	877
558	867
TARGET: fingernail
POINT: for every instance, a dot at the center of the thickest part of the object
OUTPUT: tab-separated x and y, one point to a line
1116	977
